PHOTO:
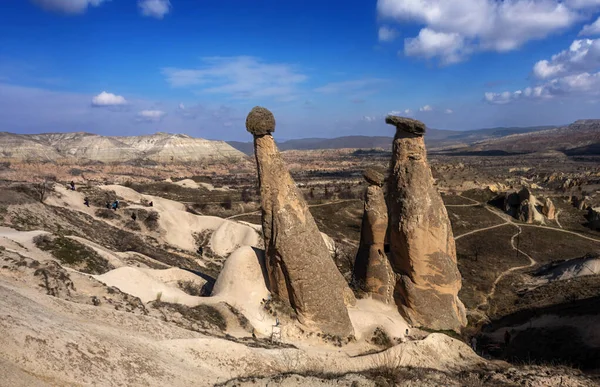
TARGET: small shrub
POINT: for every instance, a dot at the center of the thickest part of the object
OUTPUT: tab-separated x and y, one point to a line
151	220
192	288
73	254
75	172
105	213
381	338
133	225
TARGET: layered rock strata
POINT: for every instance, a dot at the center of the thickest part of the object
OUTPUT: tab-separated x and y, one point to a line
299	266
372	270
423	253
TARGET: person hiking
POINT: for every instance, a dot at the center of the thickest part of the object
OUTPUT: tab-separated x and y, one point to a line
108	205
72	185
86	201
115	205
200	250
506	338
474	344
133	216
151	204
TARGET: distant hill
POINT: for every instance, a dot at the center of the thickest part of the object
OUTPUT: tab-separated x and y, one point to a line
80	146
579	138
435	138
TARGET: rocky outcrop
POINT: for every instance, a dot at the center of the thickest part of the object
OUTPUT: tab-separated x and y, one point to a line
82	147
549	210
299	266
372	270
593	217
423	253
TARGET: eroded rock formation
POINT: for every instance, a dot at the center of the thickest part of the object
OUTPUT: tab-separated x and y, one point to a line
372	269
423	253
549	210
299	266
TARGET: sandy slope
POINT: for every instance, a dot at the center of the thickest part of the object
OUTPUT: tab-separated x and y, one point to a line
65	343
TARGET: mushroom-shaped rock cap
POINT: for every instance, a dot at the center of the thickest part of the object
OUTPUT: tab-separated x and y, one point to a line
406	124
260	121
373	177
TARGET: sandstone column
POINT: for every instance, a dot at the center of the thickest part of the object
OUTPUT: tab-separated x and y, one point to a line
423	253
372	269
300	269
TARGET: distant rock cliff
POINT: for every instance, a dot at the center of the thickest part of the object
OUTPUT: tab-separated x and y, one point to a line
158	147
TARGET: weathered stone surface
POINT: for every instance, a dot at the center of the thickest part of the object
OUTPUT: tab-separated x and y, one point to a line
407	125
373	177
549	210
372	269
423	253
300	268
260	121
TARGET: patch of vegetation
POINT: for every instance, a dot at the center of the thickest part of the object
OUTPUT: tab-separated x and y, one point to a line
242	320
151	220
192	288
133	225
381	339
207	316
73	254
105	213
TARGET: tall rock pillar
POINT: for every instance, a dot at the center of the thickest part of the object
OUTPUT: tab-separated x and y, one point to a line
301	270
423	253
372	269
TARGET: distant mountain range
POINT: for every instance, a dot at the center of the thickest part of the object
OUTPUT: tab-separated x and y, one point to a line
159	147
435	138
579	138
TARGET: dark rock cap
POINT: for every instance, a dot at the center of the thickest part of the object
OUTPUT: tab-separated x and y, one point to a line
373	177
407	124
260	121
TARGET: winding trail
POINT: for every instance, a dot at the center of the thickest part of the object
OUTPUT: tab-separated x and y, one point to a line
556	218
257	212
509	221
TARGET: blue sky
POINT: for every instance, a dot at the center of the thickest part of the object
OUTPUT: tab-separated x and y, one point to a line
325	68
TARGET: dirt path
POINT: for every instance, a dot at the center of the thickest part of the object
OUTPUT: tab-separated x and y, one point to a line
532	262
482	229
509	221
310	206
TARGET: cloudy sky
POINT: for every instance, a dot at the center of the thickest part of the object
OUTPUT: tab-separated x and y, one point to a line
325	68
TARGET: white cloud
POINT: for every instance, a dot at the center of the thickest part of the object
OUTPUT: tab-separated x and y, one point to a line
394	113
582	56
108	99
449	111
408	112
150	115
181	106
369	118
453	29
68	6
387	34
154	8
449	46
350	86
591	29
426	108
240	77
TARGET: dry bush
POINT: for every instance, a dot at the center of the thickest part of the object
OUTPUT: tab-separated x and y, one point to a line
105	213
151	220
133	225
